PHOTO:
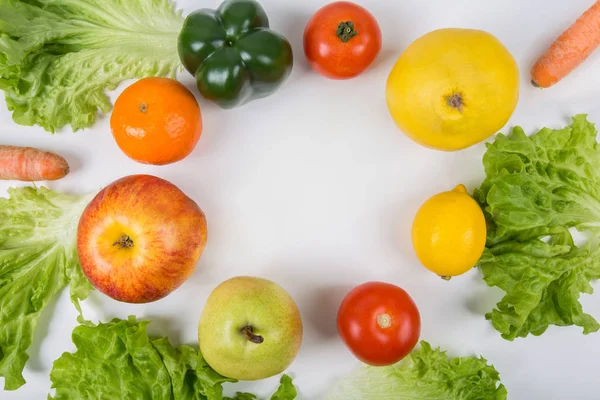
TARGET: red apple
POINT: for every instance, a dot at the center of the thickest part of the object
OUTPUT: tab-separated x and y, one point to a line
140	238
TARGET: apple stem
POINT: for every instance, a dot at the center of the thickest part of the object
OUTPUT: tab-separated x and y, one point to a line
247	332
124	242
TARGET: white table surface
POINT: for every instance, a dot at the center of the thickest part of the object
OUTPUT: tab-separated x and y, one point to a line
315	188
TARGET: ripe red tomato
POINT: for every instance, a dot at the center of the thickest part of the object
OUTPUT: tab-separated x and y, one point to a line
379	322
341	40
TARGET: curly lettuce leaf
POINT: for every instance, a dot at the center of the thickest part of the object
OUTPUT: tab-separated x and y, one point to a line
37	259
426	373
185	365
536	189
58	57
537	184
543	281
286	391
118	360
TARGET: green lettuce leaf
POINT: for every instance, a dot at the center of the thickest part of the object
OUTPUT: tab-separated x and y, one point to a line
543	281
242	396
536	189
426	373
58	57
37	259
286	389
186	366
118	360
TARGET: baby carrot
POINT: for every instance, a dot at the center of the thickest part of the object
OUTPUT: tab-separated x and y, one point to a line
569	50
29	164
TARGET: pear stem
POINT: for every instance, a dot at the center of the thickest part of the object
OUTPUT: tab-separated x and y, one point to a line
247	332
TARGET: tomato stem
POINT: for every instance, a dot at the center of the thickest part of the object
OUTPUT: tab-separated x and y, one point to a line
247	332
124	242
446	278
345	31
384	320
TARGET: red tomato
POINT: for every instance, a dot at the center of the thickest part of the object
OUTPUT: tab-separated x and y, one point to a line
341	40
379	322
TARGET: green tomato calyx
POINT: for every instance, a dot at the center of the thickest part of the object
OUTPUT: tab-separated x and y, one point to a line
345	31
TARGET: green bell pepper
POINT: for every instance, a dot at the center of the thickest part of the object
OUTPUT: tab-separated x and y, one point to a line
233	54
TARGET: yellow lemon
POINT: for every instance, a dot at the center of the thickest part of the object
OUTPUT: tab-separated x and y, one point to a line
449	232
452	88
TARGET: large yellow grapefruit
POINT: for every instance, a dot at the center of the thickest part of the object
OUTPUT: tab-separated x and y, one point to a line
452	88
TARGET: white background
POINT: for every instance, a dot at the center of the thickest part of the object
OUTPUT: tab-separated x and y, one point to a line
315	188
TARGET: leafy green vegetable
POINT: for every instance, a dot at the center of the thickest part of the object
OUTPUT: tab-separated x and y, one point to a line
426	373
57	57
37	259
286	389
536	189
117	360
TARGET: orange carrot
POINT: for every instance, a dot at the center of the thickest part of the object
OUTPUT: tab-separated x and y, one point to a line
569	50
29	164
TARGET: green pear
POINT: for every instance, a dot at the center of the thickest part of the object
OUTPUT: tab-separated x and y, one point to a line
250	329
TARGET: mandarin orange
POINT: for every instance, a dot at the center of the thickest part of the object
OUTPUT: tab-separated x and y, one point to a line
156	121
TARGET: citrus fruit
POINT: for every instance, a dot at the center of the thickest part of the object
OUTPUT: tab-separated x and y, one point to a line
449	233
156	121
452	88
